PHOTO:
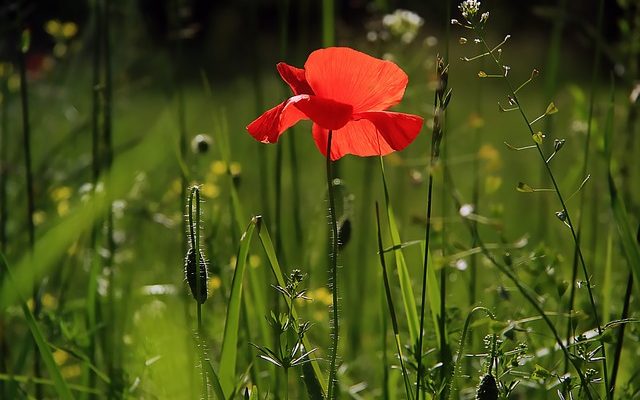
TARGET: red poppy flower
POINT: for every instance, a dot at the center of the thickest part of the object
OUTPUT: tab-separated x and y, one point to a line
343	90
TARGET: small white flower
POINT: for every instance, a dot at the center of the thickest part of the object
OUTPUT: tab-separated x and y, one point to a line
466	210
469	8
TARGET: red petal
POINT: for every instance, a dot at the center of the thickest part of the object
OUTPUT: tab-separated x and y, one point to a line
351	77
270	125
398	129
295	78
374	134
327	113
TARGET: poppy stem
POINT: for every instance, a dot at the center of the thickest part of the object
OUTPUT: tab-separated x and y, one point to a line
334	276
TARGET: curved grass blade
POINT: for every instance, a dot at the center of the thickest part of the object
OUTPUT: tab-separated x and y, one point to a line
408	298
229	354
215	381
45	352
270	251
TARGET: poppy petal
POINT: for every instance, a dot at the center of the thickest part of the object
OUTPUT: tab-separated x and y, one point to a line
268	127
370	134
351	77
327	113
397	129
295	78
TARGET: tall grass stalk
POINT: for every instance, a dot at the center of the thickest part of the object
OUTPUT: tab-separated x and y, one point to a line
561	200
92	287
333	271
4	162
328	23
26	147
394	320
440	101
585	164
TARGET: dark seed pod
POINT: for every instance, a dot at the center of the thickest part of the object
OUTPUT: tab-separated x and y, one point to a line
344	233
190	275
488	389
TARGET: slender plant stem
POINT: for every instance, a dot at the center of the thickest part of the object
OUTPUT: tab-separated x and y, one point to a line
26	145
564	209
96	90
333	270
4	125
594	75
392	313
424	286
620	337
526	292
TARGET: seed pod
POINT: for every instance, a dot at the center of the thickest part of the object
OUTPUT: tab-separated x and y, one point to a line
190	275
488	389
344	233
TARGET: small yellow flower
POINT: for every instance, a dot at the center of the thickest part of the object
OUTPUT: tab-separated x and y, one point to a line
49	301
69	30
254	261
218	167
71	371
60	356
53	27
490	156
214	283
39	217
322	295
210	190
63	208
61	193
235	168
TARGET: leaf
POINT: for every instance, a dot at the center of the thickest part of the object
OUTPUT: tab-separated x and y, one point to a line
215	381
408	297
524	188
229	354
267	245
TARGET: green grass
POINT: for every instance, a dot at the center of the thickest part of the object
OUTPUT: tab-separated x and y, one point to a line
144	302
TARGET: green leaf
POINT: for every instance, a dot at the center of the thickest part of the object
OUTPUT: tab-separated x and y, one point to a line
215	381
25	41
408	297
267	245
229	354
45	351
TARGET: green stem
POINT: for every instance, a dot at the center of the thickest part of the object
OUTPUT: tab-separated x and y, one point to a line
526	292
620	337
26	145
594	75
566	212
194	235
424	286
334	275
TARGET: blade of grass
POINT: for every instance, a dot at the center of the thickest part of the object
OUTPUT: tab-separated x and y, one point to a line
408	297
215	381
269	250
229	352
392	310
60	384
